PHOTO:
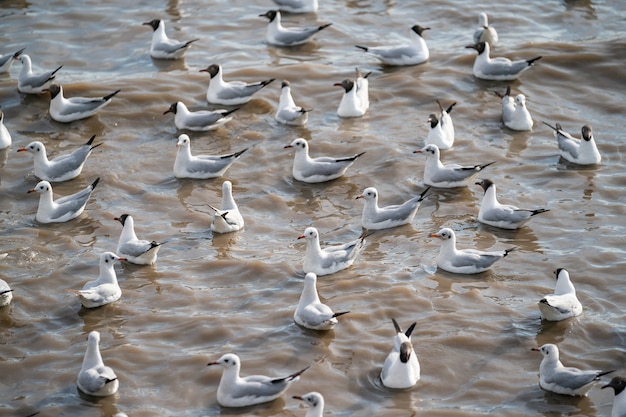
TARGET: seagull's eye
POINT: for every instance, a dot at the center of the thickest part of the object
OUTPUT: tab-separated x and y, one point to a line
226	360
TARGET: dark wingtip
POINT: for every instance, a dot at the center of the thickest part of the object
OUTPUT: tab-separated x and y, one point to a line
324	26
396	326
93	184
340	313
531	61
111	95
410	329
507	251
266	82
365	48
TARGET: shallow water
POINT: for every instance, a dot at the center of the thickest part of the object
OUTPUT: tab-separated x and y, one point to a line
208	295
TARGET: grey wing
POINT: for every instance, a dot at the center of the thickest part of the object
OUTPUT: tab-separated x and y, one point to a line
170	47
259	386
204	119
69	162
38	80
568	144
81	105
572	378
473	258
4	59
234	91
326	168
208	165
393	52
503	66
453	174
95	378
507	214
398	212
71	203
135	248
296	35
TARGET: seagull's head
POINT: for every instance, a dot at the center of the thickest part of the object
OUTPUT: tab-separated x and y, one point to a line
310	233
227	361
42	187
312	399
369	193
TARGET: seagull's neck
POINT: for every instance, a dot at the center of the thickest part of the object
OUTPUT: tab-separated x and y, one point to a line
107	274
230	376
228	202
564	286
92	356
159	33
417	40
316	411
313	247
26	68
490	198
46	201
128	231
285	99
41	157
371	206
309	293
433	161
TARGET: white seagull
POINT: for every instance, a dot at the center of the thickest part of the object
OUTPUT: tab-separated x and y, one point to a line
288	113
298	6
378	218
235	391
231	92
555	377
6	61
104	289
5	136
563	303
163	47
577	151
227	218
315	401
134	250
30	83
94	377
401	368
187	165
413	53
63	167
64	208
330	259
441	132
515	115
464	261
6	293
485	33
352	103
311	313
505	216
499	68
201	120
66	110
439	175
279	35
319	169
618	383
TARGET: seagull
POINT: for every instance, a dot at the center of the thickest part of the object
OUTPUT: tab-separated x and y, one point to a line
515	115
64	208
288	113
6	293
94	377
311	313
30	83
577	151
555	377
464	261
618	383
378	218
227	218
414	53
163	47
201	120
187	165
104	289
63	167
485	33
439	175
504	216
5	136
232	92
401	368
362	88
330	259
320	169
498	69
7	60
352	104
235	391
315	401
441	131
279	35
134	250
563	303
67	110
298	6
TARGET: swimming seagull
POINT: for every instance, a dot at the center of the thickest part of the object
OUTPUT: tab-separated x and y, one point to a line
6	293
618	383
227	218
315	401
439	175
563	303
464	261
352	104
319	169
94	377
201	120
578	151
279	35
231	92
30	83
64	208
401	368
378	218
104	289
163	47
187	165
505	216
499	68
66	110
134	250
298	6
310	312
555	377
5	136
7	60
414	53
63	167
330	259
515	115
441	132
235	391
485	33
288	113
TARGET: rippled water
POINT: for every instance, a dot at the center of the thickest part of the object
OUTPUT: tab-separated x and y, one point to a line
208	295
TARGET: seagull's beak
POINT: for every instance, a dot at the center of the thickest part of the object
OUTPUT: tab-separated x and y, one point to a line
301	237
287	146
434	235
536	349
359	196
22	150
418	151
32	190
212	363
